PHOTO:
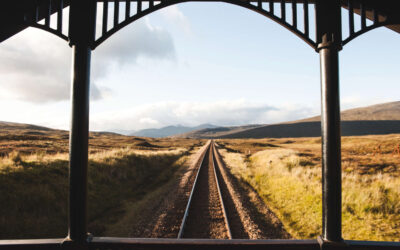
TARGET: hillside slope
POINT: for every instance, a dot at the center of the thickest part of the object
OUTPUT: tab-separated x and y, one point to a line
27	139
384	111
313	129
20	126
376	119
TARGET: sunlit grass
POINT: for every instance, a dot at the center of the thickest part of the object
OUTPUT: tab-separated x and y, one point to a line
288	178
34	188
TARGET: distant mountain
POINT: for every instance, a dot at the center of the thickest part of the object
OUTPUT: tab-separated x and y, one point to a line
169	130
376	119
216	132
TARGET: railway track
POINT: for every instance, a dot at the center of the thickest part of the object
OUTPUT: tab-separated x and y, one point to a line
208	202
205	214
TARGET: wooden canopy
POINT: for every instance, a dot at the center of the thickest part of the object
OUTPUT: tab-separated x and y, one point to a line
12	13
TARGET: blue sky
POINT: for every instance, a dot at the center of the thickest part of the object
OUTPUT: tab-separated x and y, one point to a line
189	64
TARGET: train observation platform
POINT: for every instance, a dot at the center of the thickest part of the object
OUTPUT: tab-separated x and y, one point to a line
79	29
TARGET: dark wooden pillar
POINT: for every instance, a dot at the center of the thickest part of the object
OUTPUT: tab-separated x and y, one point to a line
81	33
328	22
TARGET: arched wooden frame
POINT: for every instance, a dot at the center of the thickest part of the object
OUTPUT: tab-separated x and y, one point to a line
48	7
378	20
256	6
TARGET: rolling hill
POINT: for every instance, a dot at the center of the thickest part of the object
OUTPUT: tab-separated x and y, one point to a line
313	129
376	119
30	139
20	126
379	112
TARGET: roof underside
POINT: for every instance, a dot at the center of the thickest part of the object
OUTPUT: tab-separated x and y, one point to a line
12	13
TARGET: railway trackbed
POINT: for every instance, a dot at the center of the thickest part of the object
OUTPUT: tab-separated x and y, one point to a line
209	202
205	215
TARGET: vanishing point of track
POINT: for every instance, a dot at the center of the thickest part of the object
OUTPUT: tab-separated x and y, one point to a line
205	214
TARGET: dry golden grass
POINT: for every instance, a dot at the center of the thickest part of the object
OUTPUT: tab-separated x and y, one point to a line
123	172
29	139
287	175
34	191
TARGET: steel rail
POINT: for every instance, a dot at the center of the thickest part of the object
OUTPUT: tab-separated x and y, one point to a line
212	150
180	234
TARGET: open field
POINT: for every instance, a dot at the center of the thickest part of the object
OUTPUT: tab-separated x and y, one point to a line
286	173
125	175
30	139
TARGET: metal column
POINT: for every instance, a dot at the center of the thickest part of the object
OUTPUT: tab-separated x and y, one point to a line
79	135
81	29
331	153
329	41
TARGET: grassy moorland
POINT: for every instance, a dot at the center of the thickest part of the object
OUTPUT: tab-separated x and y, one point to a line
123	171
287	175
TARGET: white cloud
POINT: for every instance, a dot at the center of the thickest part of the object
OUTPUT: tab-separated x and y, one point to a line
148	121
36	66
224	113
140	39
174	15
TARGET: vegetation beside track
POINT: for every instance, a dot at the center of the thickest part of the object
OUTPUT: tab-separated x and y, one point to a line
286	173
34	188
